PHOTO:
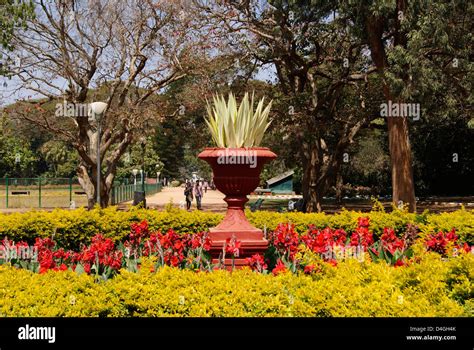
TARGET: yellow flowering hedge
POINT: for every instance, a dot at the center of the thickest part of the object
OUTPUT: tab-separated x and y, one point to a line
432	287
72	227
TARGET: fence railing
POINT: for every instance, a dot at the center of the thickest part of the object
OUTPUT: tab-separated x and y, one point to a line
59	193
125	193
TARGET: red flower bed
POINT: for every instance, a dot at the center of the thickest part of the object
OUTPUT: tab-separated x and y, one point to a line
440	242
103	258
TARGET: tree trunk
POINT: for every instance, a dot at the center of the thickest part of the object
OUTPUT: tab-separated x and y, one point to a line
105	193
88	183
320	171
403	187
311	194
339	184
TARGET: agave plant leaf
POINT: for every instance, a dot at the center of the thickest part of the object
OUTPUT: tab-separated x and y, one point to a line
262	124
231	117
237	126
213	125
242	115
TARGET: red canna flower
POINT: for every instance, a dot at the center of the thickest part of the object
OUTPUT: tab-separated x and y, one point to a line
466	248
362	237
256	263
391	242
279	268
309	269
199	240
320	241
363	222
138	232
286	240
44	243
178	245
45	259
399	262
439	242
174	261
87	268
232	247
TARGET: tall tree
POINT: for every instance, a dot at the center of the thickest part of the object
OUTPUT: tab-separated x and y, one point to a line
16	157
123	53
322	77
61	158
415	46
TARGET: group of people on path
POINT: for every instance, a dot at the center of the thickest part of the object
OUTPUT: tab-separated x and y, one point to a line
197	190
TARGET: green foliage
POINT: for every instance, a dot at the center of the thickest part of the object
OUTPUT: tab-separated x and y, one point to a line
430	288
70	228
61	159
369	163
139	155
12	145
462	220
13	14
168	144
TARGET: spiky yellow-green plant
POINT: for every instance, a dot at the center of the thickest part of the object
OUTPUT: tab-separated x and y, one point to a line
233	126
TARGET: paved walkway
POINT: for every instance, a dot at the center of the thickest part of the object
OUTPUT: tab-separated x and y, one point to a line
211	200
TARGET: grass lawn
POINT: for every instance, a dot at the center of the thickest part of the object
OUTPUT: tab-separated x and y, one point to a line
51	197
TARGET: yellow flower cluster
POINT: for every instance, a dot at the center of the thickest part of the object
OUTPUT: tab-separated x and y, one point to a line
432	287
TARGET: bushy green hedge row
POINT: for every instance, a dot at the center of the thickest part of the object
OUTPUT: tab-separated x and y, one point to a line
70	228
432	287
462	220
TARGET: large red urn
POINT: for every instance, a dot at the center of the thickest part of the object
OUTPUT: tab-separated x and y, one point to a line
236	174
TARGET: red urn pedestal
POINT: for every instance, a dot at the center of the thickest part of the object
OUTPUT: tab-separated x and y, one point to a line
236	174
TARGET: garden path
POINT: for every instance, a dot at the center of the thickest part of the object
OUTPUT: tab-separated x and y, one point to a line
211	201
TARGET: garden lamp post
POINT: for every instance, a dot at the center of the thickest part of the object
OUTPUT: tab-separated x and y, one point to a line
143	144
158	172
140	196
17	164
96	110
135	172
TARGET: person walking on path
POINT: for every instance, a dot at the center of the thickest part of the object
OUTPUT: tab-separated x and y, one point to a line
198	194
188	193
206	185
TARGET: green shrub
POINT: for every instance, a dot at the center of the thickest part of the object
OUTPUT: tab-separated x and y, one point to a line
70	228
430	288
462	220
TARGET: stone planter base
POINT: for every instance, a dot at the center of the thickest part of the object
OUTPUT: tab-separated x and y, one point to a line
236	181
